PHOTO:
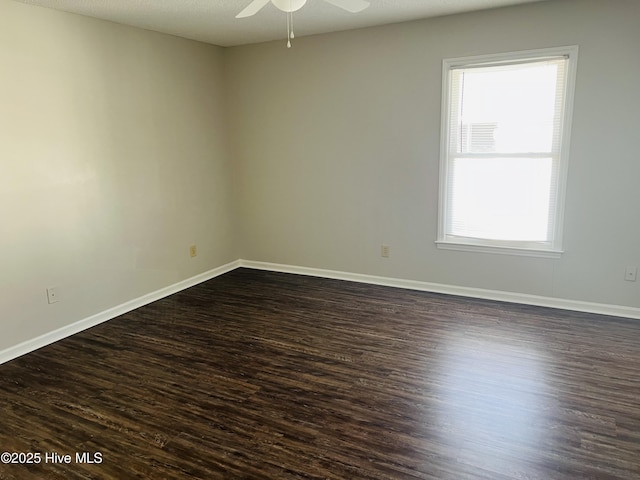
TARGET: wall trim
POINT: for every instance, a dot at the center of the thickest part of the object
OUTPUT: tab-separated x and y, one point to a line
76	327
510	297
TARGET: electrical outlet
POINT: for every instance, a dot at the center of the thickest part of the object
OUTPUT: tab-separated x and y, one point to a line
193	251
53	295
385	251
630	274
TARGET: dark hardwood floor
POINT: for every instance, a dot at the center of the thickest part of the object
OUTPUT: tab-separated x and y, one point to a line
261	375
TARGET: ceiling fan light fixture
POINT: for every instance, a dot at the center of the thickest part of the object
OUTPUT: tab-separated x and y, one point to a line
289	6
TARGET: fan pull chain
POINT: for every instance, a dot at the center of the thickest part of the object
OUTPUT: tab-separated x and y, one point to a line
290	35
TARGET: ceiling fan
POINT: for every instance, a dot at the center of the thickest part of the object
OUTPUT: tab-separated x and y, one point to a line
290	6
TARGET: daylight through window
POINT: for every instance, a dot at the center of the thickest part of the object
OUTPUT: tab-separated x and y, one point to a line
505	136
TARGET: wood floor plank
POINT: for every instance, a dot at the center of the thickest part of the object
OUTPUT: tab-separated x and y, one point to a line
262	375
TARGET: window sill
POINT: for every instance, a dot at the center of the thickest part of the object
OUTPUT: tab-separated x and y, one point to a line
524	252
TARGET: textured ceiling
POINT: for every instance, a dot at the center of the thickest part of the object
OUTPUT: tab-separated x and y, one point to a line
213	21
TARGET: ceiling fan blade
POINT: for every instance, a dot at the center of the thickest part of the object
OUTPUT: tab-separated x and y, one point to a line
353	6
253	8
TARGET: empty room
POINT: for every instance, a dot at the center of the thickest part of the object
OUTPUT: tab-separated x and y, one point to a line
321	239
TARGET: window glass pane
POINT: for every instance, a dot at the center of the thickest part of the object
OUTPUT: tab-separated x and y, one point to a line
506	109
500	198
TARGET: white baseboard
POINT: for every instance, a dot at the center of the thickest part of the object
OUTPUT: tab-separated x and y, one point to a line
68	330
564	304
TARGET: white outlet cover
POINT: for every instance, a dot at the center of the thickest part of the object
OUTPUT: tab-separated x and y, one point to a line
630	274
53	295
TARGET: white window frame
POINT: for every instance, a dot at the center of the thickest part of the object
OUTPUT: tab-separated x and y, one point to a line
554	250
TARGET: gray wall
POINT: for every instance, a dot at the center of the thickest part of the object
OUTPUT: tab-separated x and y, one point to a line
337	149
121	147
113	160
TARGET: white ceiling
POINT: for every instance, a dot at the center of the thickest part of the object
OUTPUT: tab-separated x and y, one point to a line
213	21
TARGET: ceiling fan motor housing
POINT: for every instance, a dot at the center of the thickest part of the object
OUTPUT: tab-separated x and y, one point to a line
289	5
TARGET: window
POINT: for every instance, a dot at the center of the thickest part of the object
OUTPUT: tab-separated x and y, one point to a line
505	138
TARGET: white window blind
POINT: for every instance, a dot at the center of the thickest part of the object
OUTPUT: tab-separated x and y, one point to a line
502	167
